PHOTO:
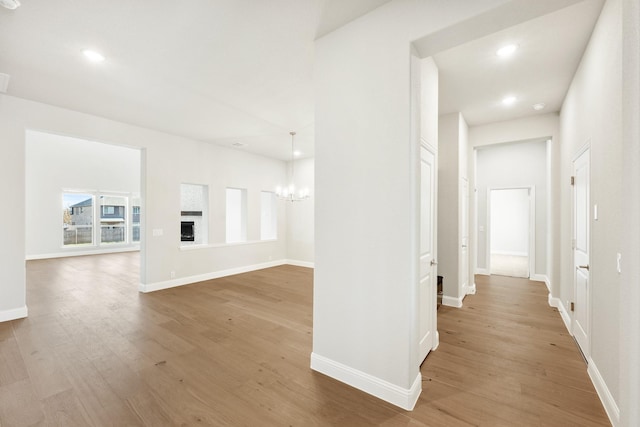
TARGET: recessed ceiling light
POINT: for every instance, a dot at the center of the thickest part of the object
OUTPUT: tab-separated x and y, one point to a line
92	55
507	50
10	4
509	100
297	153
539	106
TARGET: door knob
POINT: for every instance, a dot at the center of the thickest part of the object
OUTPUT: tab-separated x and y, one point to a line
586	267
433	262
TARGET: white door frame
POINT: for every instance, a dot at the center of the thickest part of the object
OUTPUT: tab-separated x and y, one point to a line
532	227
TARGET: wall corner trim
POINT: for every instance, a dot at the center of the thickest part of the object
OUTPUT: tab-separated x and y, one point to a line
298	263
402	397
471	290
13	314
566	319
157	286
452	301
609	403
541	278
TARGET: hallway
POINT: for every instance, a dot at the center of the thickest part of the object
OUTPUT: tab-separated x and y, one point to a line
506	358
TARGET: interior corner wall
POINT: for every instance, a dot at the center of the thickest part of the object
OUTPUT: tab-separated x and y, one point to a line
591	114
56	163
449	158
366	276
300	229
168	161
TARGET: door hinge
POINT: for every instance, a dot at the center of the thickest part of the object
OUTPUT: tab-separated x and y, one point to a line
573	180
573	307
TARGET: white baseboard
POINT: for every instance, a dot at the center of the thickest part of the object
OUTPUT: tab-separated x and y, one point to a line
71	253
405	398
436	341
482	271
157	286
566	318
610	405
541	278
470	290
452	301
298	263
16	313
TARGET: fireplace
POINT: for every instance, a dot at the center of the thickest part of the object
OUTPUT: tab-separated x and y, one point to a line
187	232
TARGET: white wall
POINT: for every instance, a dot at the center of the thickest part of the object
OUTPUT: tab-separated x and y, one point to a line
168	161
591	113
300	230
366	209
56	163
518	164
630	241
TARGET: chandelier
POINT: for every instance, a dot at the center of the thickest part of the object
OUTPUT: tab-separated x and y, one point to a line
289	192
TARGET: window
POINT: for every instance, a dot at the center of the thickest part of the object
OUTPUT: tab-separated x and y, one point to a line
194	204
77	219
135	219
268	216
113	228
236	215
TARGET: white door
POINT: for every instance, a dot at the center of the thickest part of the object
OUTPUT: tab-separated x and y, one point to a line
581	313
428	271
464	236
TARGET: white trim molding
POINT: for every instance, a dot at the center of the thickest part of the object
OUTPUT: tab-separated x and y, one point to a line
436	341
16	313
452	301
299	263
566	318
71	253
609	403
541	278
471	290
482	271
157	286
405	398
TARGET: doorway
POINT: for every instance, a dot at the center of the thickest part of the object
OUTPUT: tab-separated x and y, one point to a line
510	231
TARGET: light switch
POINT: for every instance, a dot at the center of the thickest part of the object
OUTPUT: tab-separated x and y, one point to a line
481	228
158	232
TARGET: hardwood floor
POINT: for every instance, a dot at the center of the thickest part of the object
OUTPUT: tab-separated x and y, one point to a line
235	351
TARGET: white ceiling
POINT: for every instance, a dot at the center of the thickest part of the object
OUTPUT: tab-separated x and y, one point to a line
213	70
474	80
241	71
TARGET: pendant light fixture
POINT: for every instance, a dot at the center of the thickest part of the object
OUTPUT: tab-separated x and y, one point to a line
289	192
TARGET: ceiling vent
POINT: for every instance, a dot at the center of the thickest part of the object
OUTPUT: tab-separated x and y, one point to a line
4	82
10	4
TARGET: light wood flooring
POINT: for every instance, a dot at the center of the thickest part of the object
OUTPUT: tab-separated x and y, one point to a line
235	352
